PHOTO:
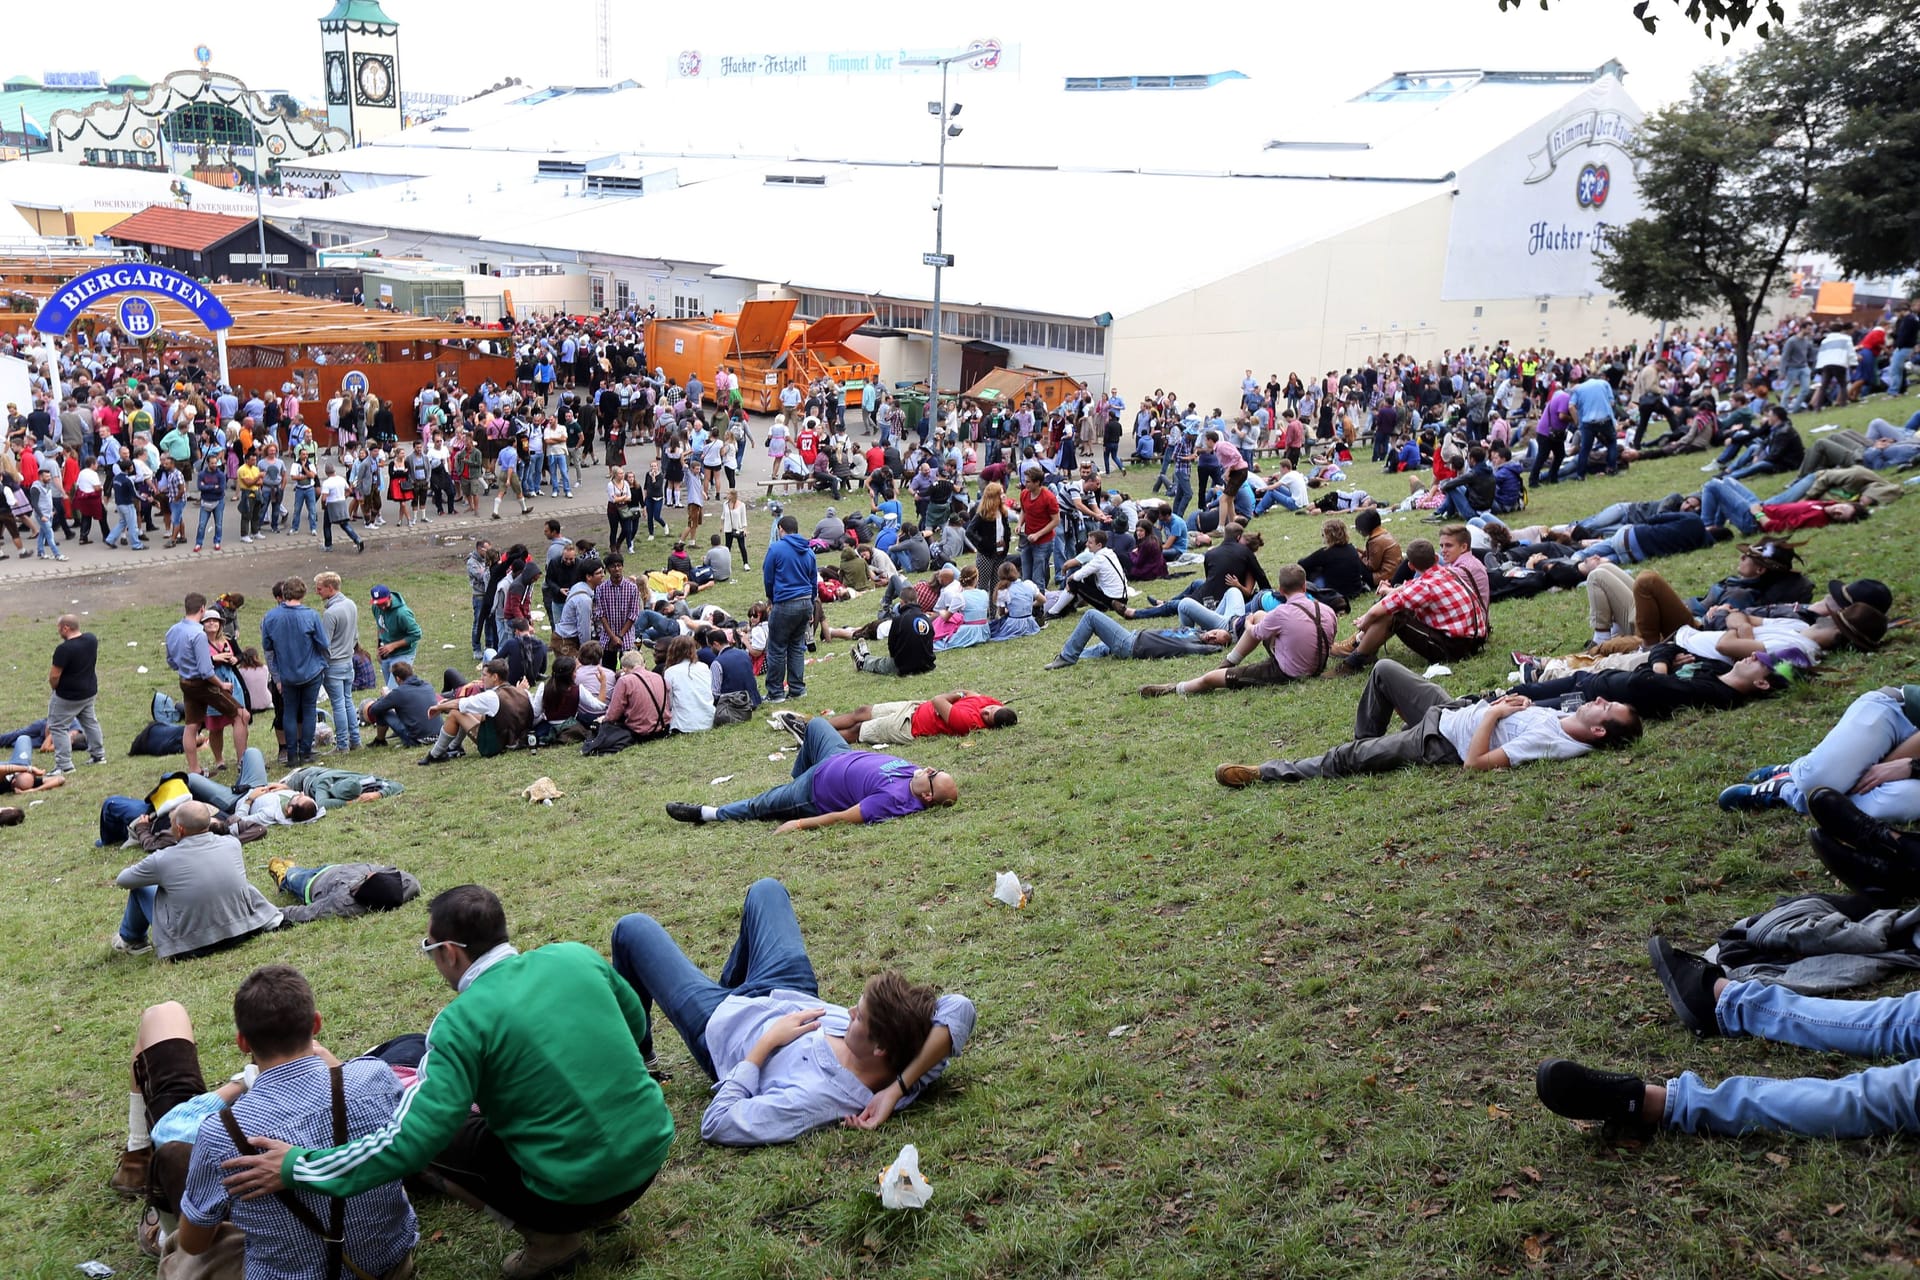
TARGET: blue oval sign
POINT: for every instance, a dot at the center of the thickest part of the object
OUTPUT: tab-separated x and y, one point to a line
137	317
73	297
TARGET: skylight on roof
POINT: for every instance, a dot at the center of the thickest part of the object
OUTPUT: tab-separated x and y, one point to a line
1420	86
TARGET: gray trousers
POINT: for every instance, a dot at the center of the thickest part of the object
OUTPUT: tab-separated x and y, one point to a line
1391	690
61	716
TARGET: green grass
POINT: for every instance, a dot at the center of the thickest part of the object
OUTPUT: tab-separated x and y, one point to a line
1335	994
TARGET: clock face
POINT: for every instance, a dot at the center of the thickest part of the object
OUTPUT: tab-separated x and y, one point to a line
373	78
336	78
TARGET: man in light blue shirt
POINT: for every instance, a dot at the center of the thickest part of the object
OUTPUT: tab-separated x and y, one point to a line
1593	405
784	1062
191	658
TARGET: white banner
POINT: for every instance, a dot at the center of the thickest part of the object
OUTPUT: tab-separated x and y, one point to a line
1532	213
783	64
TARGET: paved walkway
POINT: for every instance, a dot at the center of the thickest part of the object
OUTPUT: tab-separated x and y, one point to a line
583	515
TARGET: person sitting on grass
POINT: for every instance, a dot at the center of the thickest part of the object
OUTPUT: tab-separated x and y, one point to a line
405	710
1862	1105
1869	754
555	1153
832	783
179	1132
784	1061
340	890
952	715
1441	614
495	700
194	896
1298	633
1447	731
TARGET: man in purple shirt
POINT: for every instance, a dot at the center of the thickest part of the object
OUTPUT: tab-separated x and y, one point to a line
1555	420
833	783
785	1062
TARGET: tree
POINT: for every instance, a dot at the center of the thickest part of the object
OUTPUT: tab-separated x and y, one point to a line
1732	15
1866	213
1728	177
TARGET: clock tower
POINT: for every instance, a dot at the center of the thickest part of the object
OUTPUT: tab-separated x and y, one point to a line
360	46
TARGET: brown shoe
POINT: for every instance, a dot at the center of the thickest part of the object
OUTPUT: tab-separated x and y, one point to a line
545	1255
147	1234
1338	669
1156	690
1236	775
129	1179
1343	649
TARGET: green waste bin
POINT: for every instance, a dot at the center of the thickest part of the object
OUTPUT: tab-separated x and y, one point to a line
914	405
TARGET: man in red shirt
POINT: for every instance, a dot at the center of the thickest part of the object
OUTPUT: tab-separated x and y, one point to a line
1440	615
1039	520
808	442
876	459
951	715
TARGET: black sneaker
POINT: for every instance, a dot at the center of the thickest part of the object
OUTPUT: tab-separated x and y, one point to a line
1843	820
684	812
431	758
1689	982
1581	1093
1059	664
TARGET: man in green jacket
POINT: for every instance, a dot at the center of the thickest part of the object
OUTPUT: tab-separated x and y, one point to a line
548	1043
399	631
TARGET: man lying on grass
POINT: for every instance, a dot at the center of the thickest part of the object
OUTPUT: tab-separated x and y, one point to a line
787	1063
952	715
1867	1103
1444	730
833	783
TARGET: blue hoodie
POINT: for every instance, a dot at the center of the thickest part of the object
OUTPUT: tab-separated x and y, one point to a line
787	569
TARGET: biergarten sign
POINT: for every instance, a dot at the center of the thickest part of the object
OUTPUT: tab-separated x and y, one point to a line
73	297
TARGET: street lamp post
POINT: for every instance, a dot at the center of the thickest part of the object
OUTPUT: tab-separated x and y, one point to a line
940	259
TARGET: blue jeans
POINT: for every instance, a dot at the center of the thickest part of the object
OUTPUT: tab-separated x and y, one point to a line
1460	505
1875	724
253	773
1274	498
769	955
176	513
22	752
43	539
303	501
791	799
1035	559
294	881
483	625
216	512
1195	614
1601	431
1725	501
1182	492
345	528
1793	492
1620	547
557	478
1897	370
1114	640
346	721
1799	380
531	469
788	623
1755	468
139	914
130	523
653	627
1607	519
1878	1100
300	701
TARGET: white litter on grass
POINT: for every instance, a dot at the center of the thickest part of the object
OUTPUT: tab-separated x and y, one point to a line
140	671
726	777
1119	1031
1831	426
446	646
133	644
902	1185
1008	889
32	803
1435	671
1513	677
774	756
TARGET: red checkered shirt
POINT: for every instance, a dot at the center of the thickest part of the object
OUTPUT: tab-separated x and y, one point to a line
1442	599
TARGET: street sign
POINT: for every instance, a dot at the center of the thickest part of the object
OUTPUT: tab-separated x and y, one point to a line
936	259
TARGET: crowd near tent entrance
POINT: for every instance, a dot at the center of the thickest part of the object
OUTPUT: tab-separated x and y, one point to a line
138	317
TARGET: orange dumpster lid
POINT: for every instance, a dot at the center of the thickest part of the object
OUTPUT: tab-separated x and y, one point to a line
762	326
836	328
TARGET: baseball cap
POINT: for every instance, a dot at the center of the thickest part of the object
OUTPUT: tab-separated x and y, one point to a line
380	593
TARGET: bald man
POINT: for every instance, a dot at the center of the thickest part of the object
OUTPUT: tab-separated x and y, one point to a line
194	896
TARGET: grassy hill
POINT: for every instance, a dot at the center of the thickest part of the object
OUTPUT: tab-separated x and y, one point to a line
1273	1032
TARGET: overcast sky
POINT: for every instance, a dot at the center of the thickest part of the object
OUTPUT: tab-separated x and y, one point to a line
1316	46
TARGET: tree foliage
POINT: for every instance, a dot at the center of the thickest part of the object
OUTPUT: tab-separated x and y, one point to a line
1867	214
1728	177
1729	15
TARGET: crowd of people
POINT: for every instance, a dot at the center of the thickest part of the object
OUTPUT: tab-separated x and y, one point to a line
981	526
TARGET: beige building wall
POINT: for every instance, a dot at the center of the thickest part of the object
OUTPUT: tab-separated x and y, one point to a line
1371	291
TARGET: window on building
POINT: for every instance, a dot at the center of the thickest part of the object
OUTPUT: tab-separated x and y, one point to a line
597	293
1543	308
966	324
1478	312
622	295
685	306
1079	339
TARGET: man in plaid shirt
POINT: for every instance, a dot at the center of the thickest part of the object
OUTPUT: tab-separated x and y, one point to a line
1440	615
616	607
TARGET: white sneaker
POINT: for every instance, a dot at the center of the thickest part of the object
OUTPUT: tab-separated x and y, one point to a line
126	948
246	537
1709	469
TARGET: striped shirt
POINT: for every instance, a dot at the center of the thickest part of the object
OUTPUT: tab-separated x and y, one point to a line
294	1103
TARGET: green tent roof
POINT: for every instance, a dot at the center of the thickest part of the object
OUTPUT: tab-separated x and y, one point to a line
359	11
